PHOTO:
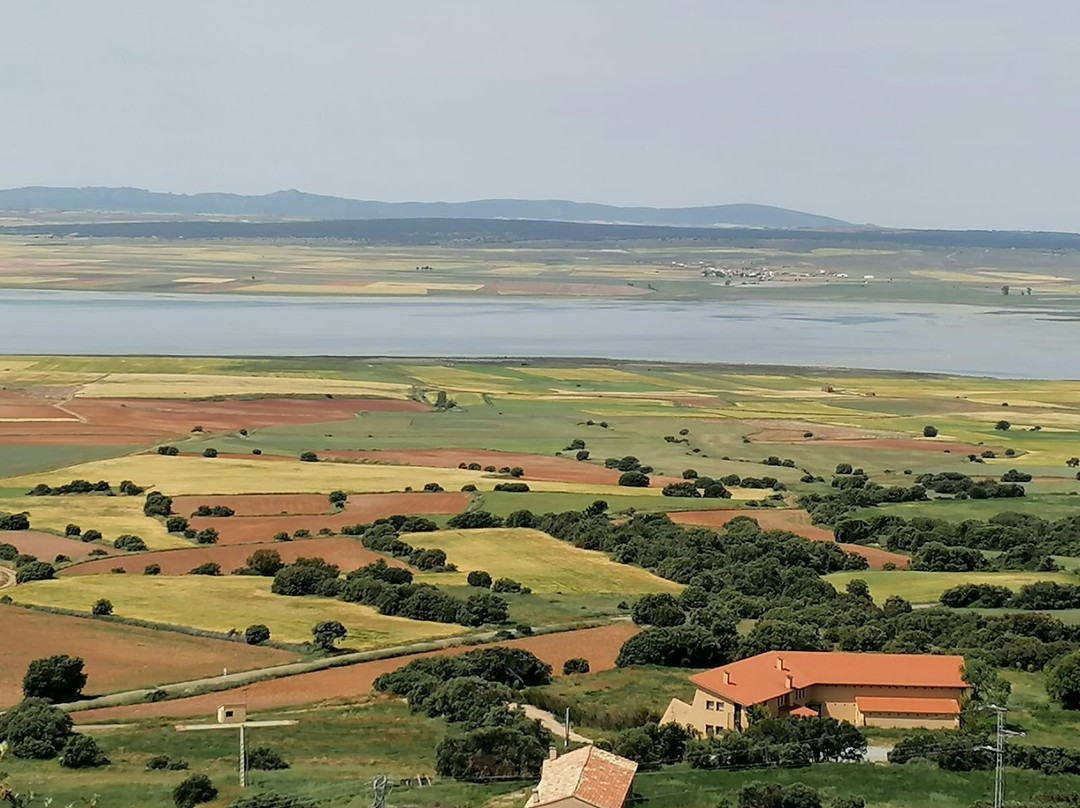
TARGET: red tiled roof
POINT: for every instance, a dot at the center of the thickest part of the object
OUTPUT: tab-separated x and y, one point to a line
760	678
804	712
595	777
900	704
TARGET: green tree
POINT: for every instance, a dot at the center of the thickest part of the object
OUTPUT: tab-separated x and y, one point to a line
929	431
1002	426
82	752
195	790
263	758
479	578
102	608
265	562
34	571
209	452
327	633
309	457
256	634
59	678
1063	681
35	729
634	479
490	753
658	610
575	665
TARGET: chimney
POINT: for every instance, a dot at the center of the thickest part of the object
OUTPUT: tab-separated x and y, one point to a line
779	663
552	753
789	681
727	677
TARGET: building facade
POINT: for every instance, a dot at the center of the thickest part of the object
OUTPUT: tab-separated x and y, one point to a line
903	691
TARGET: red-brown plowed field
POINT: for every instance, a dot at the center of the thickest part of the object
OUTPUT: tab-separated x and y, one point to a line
598	645
537	467
15	405
349	554
124	422
795	521
361	508
46	546
257	504
118	657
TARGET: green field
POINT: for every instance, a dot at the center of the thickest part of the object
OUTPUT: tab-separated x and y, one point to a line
221	604
926	587
537	560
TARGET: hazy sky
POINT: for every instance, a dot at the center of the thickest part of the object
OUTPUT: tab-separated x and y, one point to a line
929	113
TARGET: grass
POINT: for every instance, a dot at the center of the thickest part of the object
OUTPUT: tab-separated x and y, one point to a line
18	459
503	504
537	560
113	516
221	604
545	609
169	385
926	587
186	474
1030	710
333	754
1046	506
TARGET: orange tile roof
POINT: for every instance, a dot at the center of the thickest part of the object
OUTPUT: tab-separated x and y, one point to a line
774	673
804	712
595	777
899	704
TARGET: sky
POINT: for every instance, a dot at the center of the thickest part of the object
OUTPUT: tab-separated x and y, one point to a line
906	113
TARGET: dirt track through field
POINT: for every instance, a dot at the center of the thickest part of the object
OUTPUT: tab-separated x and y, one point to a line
599	645
794	521
360	509
349	554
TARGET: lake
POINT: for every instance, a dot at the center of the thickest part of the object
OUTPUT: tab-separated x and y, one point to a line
940	338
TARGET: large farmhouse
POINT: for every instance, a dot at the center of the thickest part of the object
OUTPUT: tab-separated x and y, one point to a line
873	690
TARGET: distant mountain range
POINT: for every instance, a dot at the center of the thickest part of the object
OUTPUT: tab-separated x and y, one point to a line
300	205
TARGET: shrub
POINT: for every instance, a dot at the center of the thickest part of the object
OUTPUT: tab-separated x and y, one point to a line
152	569
208	568
161	763
1014	476
482	608
575	665
490	753
256	634
522	518
102	608
60	558
686	489
35	571
473	520
634	479
510	586
130	543
681	647
59	678
468	488
303	577
14	521
91	535
82	752
309	457
265	562
658	610
157	504
929	432
480	579
170	451
207	535
195	790
72	530
1002	426
176	524
512	488
35	729
209	452
8	551
433	488
263	758
581	454
327	633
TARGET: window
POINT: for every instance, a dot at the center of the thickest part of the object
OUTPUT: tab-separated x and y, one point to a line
781	700
710	705
710	729
228	713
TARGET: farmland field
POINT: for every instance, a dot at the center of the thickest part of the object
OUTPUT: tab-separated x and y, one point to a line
536	560
382	431
223	604
118	657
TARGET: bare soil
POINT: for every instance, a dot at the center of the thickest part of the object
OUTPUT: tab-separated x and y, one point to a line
599	645
46	546
118	657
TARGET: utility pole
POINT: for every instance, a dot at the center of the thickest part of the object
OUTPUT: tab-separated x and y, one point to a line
999	753
380	792
243	725
566	738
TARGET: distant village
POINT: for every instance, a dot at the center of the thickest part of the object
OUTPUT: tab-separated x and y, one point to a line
756	274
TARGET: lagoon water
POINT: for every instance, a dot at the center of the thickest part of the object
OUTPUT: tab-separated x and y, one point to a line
941	338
